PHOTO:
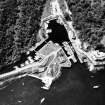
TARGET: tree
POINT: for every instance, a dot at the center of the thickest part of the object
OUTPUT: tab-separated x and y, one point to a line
88	19
19	25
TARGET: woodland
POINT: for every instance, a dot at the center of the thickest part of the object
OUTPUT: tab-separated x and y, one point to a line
20	19
19	25
89	21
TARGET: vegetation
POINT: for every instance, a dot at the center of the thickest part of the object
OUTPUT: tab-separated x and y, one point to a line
19	24
89	20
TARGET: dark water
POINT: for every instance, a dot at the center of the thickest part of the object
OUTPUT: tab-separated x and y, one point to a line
59	33
74	87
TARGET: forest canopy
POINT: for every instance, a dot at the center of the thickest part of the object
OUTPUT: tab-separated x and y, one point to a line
89	21
20	19
19	25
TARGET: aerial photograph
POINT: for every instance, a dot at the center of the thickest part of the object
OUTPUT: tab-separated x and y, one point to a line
52	52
